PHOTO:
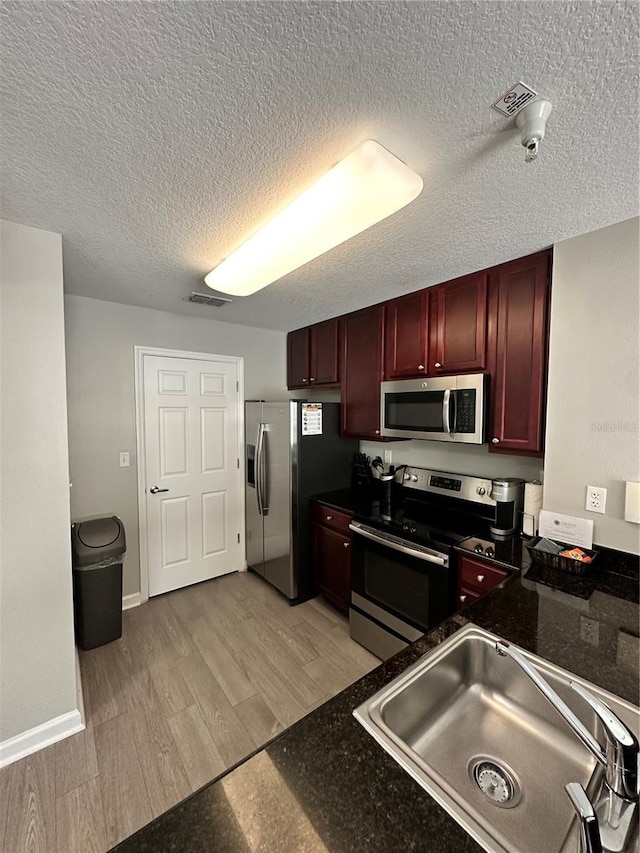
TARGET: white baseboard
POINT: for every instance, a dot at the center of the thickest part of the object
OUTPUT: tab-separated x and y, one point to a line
79	692
129	601
37	738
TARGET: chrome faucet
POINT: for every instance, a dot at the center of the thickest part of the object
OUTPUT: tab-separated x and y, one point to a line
607	825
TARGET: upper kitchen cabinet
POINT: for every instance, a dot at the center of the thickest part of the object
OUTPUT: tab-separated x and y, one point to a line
312	355
517	349
407	336
361	372
298	358
459	325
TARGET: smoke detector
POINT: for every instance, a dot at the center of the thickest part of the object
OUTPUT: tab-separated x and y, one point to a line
207	299
532	120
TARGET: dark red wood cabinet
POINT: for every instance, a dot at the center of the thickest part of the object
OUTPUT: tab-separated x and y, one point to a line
475	579
313	355
494	321
517	349
331	543
324	353
407	336
361	372
298	358
459	325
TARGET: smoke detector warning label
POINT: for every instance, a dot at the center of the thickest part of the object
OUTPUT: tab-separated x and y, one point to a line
514	100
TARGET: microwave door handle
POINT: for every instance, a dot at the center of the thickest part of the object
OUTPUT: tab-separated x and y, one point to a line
453	419
446	428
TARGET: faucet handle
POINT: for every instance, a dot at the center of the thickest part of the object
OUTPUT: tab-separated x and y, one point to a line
622	747
589	829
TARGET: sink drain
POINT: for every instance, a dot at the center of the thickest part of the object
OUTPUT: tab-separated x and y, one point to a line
497	782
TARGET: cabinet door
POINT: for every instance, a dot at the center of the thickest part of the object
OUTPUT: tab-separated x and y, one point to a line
332	561
407	335
459	331
361	372
298	358
324	353
519	296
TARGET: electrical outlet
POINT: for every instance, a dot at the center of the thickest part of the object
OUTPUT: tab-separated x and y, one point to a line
124	459
589	630
596	499
387	457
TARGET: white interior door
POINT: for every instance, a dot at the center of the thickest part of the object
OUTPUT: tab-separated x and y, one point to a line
194	489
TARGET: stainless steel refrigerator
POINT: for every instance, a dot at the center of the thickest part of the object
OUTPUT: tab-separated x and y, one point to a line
293	451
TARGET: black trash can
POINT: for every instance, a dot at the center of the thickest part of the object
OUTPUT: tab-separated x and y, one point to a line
98	547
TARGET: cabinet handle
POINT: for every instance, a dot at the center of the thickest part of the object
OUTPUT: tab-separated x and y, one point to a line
376	432
312	379
304	380
480	578
437	364
328	518
462	598
345	544
495	441
421	367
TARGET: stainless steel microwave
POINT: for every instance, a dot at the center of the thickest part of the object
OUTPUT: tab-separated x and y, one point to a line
445	408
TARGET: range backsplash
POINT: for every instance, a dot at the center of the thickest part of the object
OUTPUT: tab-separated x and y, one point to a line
458	459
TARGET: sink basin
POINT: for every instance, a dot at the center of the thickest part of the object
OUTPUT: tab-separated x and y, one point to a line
473	730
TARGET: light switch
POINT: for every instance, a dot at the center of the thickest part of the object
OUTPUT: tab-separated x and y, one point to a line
124	459
632	502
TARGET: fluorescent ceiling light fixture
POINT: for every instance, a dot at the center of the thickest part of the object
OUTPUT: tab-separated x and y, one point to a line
368	185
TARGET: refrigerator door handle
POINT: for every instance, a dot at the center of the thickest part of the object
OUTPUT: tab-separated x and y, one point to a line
264	470
258	464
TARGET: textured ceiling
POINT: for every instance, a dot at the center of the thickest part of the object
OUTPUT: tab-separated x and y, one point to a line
156	137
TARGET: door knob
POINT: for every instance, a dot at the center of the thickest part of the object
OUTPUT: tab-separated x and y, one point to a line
312	379
495	441
376	432
480	578
345	544
154	490
437	364
421	367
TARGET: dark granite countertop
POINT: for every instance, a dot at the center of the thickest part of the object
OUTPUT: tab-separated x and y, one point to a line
326	785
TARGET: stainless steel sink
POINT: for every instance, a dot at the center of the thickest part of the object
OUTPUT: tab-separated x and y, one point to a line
471	728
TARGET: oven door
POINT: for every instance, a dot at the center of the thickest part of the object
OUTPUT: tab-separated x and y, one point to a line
406	589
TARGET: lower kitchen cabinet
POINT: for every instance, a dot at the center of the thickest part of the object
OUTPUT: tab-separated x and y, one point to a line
331	542
475	579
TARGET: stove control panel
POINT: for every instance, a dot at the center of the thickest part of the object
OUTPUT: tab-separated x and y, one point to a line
474	489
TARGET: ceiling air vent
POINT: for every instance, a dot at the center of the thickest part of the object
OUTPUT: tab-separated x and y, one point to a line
207	299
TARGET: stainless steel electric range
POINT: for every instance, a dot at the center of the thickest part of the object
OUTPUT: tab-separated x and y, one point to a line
403	571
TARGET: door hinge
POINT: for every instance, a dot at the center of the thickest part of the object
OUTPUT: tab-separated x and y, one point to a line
238	538
238	463
237	386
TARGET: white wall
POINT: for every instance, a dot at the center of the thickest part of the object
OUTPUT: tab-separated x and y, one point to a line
100	383
37	654
594	374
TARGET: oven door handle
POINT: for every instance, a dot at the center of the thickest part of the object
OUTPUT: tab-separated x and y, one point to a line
396	546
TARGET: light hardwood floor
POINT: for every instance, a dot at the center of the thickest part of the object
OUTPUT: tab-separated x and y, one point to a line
201	677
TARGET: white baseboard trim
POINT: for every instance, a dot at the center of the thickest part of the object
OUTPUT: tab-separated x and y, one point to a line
129	601
37	738
79	692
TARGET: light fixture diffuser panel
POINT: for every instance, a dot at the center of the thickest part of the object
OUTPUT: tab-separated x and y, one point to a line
365	187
